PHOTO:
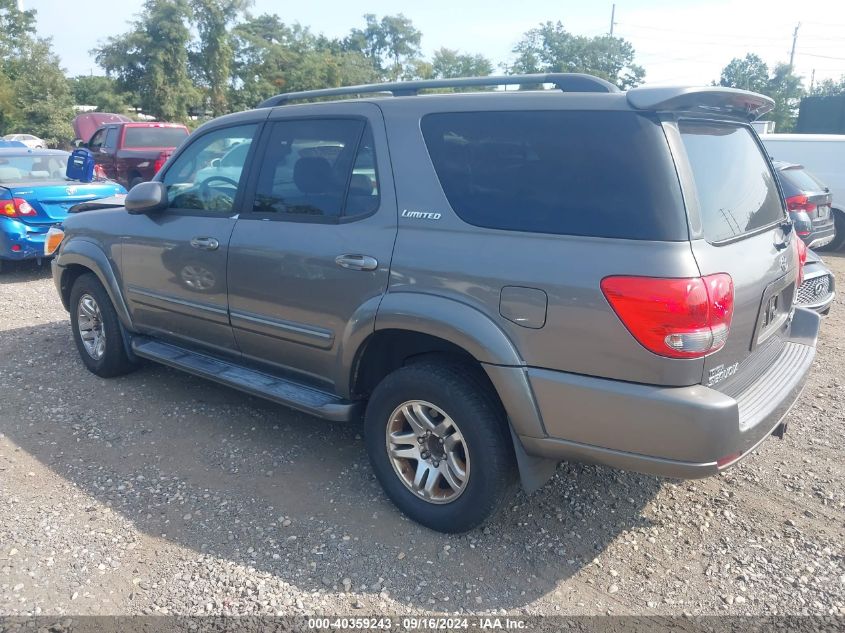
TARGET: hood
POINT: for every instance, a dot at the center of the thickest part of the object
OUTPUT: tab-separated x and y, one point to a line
86	124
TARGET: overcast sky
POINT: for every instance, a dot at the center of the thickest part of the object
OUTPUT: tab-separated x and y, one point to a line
677	41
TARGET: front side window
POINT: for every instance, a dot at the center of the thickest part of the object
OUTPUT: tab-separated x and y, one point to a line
207	175
96	141
737	193
322	168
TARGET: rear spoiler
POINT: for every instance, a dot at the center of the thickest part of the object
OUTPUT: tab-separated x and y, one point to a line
117	200
709	100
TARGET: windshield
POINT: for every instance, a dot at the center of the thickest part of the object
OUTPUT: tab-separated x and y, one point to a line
154	136
30	167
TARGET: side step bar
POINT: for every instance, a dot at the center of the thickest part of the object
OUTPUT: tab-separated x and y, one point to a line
279	390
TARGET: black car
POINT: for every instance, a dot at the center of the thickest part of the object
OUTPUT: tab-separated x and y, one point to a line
808	202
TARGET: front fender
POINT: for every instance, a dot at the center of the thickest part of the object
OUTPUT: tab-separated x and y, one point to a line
82	252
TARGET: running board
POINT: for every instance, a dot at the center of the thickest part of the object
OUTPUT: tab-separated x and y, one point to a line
256	383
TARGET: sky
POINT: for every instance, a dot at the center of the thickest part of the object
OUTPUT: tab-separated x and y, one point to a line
676	41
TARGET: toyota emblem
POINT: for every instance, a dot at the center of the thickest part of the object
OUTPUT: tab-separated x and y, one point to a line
70	191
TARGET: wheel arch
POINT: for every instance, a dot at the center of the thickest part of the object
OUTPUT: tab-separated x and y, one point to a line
82	256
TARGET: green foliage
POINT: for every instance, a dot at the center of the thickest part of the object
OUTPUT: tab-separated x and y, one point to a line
782	85
829	88
34	94
550	48
392	44
447	63
748	73
100	92
151	60
213	19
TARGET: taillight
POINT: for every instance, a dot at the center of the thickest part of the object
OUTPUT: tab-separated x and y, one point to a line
800	203
99	173
159	162
802	259
16	207
678	318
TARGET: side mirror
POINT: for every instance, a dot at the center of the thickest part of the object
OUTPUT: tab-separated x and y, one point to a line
146	197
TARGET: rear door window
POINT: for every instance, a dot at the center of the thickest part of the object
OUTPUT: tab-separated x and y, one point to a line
736	189
601	174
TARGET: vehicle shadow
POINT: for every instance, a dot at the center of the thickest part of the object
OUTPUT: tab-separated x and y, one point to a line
236	478
14	272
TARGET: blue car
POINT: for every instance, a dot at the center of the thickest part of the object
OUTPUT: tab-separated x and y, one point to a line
35	194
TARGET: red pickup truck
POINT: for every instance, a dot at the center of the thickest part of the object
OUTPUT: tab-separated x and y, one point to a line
133	152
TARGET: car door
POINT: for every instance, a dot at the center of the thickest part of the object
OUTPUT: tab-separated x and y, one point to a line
309	260
174	261
107	155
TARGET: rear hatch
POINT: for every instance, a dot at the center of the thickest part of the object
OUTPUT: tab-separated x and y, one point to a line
739	227
52	200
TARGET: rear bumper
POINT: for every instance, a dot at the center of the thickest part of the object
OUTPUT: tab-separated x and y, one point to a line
683	432
821	235
21	241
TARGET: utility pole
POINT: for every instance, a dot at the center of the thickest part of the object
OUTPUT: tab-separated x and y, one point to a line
612	19
812	80
794	39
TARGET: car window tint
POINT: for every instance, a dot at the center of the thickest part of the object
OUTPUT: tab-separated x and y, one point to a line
306	170
111	138
602	174
154	136
736	190
364	193
199	180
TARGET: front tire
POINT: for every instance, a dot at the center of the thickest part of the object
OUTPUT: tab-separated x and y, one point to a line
438	442
96	329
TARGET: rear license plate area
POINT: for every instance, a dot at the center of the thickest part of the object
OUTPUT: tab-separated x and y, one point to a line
775	308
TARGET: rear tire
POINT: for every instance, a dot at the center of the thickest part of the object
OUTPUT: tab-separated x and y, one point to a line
96	329
451	399
839	223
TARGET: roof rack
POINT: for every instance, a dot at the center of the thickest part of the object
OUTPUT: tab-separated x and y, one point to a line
567	82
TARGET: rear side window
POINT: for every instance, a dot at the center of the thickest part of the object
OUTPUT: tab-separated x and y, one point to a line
601	174
736	190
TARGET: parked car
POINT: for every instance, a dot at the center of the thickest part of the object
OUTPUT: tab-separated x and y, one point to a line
35	195
824	156
84	125
809	204
134	152
496	281
817	289
30	141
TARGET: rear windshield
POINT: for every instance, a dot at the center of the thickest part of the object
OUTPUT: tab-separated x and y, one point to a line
154	136
799	180
736	191
600	174
32	167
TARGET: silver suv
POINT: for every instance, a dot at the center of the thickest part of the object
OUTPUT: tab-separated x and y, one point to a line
494	280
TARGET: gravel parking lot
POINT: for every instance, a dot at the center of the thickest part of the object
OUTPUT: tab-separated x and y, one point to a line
162	493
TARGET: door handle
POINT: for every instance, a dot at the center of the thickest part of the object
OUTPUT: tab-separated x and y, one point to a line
356	262
205	243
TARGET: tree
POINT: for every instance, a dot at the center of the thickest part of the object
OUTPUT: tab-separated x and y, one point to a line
213	19
785	88
272	57
34	95
101	92
447	63
550	48
748	73
151	60
391	44
829	88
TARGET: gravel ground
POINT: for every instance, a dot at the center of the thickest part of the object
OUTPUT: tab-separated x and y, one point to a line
162	493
